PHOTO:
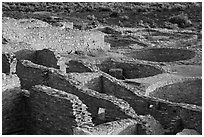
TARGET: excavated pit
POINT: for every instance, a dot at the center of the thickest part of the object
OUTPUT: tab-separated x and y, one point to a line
124	70
188	91
162	54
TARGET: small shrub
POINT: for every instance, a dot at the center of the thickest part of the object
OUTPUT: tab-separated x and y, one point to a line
124	17
91	17
114	14
104	9
182	21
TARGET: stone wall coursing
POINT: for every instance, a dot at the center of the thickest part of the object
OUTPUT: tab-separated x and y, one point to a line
31	74
151	126
161	110
115	108
55	112
61	40
119	127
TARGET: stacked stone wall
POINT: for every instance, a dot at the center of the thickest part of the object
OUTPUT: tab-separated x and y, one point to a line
55	112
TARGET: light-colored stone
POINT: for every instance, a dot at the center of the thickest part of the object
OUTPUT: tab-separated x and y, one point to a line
63	41
119	127
188	132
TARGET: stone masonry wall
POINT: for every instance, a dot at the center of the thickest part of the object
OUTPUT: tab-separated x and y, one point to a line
173	116
31	74
161	110
63	41
119	127
55	112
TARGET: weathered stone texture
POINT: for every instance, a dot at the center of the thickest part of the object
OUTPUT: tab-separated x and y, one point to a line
115	108
55	112
116	98
119	127
188	132
35	74
161	110
63	41
151	126
10	81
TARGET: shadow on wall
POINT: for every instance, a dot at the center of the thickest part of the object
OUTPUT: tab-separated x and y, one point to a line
112	96
43	57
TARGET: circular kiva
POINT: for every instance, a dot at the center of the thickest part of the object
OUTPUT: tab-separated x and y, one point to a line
186	91
124	70
162	54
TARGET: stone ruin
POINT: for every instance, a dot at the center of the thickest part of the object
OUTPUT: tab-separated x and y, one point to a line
46	94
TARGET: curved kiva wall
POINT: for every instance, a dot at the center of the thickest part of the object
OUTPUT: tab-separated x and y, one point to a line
126	70
187	90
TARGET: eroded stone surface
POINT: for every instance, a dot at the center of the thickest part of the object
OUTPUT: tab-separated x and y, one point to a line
10	81
188	132
162	111
52	37
119	127
55	112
